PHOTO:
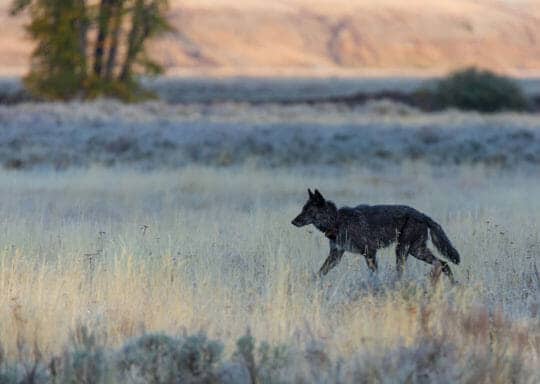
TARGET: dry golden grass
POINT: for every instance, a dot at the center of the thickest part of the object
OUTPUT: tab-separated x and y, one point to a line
126	253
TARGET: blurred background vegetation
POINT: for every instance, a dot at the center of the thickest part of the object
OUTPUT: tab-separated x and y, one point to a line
85	50
80	52
481	90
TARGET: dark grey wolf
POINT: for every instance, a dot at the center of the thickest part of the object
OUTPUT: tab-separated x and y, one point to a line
365	229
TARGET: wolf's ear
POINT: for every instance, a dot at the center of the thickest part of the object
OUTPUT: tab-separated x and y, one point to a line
318	197
310	193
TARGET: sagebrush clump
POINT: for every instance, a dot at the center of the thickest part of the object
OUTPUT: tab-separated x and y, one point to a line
158	358
450	346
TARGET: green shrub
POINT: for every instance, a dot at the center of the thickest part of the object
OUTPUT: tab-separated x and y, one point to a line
480	90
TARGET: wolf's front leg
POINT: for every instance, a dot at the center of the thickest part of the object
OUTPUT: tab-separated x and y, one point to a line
331	261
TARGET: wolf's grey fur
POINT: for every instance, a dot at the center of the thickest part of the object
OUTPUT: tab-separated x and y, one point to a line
365	229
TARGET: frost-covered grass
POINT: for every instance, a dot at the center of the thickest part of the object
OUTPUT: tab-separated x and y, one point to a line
158	135
108	255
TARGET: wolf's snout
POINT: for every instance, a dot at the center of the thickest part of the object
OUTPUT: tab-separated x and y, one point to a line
297	222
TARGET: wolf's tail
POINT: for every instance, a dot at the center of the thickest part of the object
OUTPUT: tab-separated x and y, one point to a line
441	242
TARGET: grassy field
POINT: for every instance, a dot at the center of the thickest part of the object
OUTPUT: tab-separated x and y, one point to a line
152	243
157	135
93	259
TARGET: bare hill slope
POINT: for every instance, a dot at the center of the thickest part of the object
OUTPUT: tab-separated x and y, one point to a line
256	36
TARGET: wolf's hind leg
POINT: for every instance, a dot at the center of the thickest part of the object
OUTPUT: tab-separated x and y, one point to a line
410	234
371	260
423	253
402	251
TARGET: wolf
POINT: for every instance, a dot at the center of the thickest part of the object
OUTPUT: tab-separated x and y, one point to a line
365	229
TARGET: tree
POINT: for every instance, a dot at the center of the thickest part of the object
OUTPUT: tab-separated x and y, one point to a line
117	16
103	20
480	90
87	49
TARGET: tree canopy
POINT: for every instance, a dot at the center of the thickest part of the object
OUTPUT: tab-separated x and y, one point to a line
86	49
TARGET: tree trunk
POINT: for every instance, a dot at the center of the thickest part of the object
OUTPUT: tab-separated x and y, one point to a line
103	28
118	15
132	41
83	35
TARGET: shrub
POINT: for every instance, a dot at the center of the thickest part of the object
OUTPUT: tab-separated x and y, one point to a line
157	358
84	361
269	365
480	90
197	359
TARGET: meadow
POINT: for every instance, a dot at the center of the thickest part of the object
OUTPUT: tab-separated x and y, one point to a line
98	265
151	243
158	135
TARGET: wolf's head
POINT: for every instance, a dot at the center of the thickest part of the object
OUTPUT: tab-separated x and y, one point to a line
317	211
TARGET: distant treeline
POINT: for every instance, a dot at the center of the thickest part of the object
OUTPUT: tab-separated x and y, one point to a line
468	89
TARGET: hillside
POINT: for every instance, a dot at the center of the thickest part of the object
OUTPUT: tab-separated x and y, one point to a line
261	37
